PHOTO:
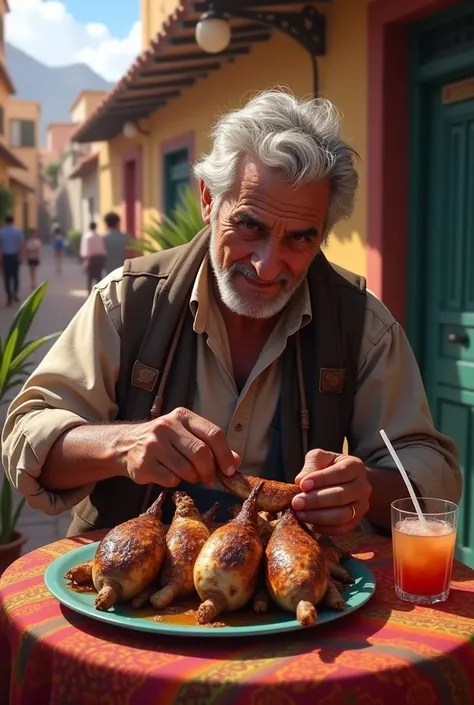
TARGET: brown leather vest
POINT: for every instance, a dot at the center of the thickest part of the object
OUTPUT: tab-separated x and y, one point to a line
155	295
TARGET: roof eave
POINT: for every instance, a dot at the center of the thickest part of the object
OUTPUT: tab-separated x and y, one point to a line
171	64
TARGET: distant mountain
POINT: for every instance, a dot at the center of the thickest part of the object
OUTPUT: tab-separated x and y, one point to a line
53	87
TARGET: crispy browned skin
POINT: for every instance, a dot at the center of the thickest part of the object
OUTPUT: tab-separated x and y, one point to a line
273	497
296	569
186	536
227	569
129	557
80	574
265	526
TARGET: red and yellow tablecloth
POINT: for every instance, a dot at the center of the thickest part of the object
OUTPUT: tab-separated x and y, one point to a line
386	652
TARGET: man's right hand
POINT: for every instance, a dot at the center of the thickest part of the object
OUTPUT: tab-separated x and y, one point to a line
174	447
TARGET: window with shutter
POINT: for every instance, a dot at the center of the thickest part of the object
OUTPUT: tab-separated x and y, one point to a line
22	133
27	133
15	133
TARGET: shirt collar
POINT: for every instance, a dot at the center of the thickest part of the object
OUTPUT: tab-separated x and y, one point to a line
296	315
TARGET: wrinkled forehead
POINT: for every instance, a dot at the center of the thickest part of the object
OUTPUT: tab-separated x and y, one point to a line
262	188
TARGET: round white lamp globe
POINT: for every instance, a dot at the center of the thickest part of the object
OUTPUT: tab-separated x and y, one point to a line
129	130
213	34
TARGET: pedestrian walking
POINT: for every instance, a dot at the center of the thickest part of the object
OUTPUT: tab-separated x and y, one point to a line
12	245
116	242
34	250
93	255
58	247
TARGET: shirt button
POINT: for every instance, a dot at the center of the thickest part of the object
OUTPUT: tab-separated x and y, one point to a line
238	427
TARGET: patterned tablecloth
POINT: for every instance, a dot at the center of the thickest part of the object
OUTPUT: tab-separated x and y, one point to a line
386	652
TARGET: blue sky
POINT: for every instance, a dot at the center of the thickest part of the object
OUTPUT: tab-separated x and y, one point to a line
118	15
104	34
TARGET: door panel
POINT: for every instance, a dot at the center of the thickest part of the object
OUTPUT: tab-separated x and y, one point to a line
130	196
450	291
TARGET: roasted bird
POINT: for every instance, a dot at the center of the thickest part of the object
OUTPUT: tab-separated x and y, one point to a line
227	569
273	497
297	572
185	538
129	557
81	574
334	556
265	526
208	517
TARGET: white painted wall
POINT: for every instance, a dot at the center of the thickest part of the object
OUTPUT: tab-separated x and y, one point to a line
90	201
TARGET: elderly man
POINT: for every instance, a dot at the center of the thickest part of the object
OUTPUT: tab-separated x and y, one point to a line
245	348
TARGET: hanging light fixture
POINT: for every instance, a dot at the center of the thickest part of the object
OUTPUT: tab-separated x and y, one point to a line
305	25
213	32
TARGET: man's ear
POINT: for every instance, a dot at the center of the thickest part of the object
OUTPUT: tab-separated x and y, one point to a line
206	202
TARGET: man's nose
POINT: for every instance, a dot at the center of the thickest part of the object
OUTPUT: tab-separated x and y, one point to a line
266	261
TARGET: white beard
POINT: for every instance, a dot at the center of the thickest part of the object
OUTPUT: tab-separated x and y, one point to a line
251	305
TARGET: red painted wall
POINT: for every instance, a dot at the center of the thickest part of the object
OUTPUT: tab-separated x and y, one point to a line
388	145
132	192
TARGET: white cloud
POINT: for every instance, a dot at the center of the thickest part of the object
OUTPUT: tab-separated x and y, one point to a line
48	32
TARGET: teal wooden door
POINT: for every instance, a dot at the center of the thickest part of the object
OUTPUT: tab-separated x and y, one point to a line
177	172
449	363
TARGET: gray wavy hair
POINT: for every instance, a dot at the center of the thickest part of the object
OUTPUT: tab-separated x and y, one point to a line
299	138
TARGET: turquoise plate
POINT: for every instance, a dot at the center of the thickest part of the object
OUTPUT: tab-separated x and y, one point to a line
242	623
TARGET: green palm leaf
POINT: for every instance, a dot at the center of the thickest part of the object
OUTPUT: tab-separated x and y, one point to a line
178	229
15	364
26	315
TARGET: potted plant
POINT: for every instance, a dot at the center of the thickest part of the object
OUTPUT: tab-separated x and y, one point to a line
15	368
179	228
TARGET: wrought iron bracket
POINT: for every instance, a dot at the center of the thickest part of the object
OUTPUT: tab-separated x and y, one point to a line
306	26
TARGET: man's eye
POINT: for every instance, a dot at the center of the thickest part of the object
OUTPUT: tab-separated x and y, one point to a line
249	225
302	238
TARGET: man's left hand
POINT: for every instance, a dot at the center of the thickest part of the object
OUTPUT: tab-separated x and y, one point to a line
335	492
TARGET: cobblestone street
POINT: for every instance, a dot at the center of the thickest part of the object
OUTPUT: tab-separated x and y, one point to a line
66	293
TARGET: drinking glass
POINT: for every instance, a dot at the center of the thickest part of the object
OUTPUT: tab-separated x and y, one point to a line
423	554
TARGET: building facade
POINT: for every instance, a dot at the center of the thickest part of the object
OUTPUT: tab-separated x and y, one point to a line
402	75
77	200
23	118
15	189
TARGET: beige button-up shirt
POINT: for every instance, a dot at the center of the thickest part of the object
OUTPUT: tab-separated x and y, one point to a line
75	384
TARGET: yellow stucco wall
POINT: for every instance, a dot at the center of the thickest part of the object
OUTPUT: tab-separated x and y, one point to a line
281	61
26	110
85	104
21	196
153	14
4	96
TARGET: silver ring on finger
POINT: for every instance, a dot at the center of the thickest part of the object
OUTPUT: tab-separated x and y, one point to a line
353	512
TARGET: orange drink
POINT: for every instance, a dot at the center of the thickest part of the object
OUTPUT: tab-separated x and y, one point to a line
423	552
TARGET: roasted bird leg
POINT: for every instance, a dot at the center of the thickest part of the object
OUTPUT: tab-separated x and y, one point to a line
260	599
81	574
333	597
339	573
296	569
265	526
335	553
185	538
143	597
273	496
208	517
129	557
227	569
